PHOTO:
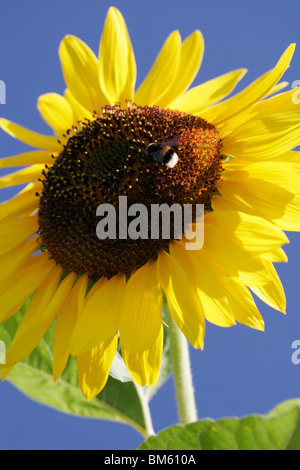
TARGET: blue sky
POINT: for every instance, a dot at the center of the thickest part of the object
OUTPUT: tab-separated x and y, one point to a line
240	371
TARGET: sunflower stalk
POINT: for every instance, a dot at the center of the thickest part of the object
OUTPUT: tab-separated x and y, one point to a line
182	371
149	430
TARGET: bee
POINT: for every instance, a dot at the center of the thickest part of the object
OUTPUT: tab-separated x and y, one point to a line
164	153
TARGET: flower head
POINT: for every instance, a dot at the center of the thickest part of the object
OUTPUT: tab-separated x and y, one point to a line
164	143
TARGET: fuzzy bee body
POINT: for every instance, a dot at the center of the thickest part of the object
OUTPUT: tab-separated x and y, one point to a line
164	153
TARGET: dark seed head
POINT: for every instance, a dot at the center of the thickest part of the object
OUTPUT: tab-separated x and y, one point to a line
125	152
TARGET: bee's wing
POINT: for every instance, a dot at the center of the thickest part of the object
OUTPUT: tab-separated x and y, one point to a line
171	143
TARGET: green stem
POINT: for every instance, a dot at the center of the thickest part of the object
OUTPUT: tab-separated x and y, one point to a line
182	371
149	431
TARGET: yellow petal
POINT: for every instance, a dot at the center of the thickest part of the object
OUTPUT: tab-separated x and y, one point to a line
283	102
117	68
80	112
183	302
5	371
264	199
271	293
56	111
141	311
260	111
276	256
39	315
64	325
31	173
252	94
28	158
291	156
276	124
162	74
93	367
283	174
251	233
25	201
80	70
144	366
225	298
192	50
202	96
242	304
212	296
230	257
30	137
99	319
14	259
14	231
264	146
17	287
280	86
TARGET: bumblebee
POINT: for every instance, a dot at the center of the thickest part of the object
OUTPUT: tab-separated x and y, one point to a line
163	153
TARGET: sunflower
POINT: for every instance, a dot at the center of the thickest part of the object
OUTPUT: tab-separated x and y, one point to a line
233	155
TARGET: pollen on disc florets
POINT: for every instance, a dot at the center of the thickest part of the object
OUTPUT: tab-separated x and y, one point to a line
110	157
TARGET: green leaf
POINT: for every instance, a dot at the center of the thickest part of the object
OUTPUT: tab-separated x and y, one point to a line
120	400
278	430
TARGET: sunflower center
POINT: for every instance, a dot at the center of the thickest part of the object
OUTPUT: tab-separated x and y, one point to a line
148	154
